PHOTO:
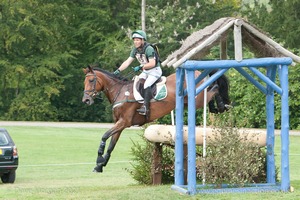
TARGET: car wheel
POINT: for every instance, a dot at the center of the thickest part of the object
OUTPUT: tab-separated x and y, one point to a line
9	177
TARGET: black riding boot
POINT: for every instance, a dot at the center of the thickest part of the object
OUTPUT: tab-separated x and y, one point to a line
144	110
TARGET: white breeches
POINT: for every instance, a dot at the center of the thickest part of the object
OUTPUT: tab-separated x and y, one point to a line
150	76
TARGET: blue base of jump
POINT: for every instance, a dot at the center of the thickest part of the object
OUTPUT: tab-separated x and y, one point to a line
211	189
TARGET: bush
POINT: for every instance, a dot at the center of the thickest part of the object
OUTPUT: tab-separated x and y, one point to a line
142	165
232	159
142	157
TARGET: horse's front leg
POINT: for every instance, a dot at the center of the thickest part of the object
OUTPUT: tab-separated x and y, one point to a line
114	133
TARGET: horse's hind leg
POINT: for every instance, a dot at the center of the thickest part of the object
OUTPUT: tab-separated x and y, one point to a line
221	107
220	104
212	107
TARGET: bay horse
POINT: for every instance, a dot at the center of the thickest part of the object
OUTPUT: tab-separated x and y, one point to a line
119	93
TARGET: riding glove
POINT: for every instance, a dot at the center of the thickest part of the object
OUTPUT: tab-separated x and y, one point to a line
117	72
137	68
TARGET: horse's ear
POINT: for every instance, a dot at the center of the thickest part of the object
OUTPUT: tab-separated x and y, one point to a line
85	70
90	68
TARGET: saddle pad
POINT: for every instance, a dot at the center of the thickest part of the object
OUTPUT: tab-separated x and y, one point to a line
161	90
136	94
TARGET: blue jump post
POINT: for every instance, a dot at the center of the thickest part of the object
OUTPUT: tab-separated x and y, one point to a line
272	65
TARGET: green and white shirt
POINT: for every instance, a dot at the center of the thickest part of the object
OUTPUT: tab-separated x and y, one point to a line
144	55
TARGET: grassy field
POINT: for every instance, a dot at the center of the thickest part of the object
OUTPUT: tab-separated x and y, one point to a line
57	163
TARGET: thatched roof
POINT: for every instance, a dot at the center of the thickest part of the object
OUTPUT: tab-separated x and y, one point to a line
198	44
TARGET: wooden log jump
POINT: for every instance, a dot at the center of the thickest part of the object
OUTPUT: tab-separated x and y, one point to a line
166	134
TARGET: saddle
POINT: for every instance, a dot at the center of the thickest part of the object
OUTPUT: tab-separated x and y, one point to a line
159	89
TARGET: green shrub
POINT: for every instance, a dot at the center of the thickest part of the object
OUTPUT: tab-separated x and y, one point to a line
231	159
142	162
142	157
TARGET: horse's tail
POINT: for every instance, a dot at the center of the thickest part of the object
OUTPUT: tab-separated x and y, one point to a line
222	98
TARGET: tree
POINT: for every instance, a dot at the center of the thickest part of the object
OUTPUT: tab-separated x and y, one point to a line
273	18
168	24
32	57
45	44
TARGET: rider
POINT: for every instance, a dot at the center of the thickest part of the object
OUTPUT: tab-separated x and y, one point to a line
150	66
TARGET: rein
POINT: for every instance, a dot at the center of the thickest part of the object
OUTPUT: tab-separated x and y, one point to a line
113	101
115	104
95	93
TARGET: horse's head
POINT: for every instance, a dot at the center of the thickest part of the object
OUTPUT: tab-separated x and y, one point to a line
92	86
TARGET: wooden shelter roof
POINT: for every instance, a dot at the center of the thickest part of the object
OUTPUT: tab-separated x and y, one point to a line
199	43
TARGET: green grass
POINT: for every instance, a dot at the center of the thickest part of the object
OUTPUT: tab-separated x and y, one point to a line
57	163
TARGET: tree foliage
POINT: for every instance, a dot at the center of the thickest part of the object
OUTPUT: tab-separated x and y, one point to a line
33	53
273	18
44	45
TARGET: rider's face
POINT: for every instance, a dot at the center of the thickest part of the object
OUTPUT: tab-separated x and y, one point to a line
138	42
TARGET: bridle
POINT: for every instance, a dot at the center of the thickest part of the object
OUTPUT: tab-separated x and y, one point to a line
93	92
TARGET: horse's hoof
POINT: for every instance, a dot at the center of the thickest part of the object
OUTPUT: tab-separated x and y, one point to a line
98	169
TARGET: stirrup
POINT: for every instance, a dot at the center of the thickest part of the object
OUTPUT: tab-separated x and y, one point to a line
142	110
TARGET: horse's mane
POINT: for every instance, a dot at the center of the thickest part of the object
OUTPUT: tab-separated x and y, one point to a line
112	75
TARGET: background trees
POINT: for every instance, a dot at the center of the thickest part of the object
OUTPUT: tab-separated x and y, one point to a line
44	45
280	19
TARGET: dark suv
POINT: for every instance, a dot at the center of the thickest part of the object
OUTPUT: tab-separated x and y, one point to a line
9	158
